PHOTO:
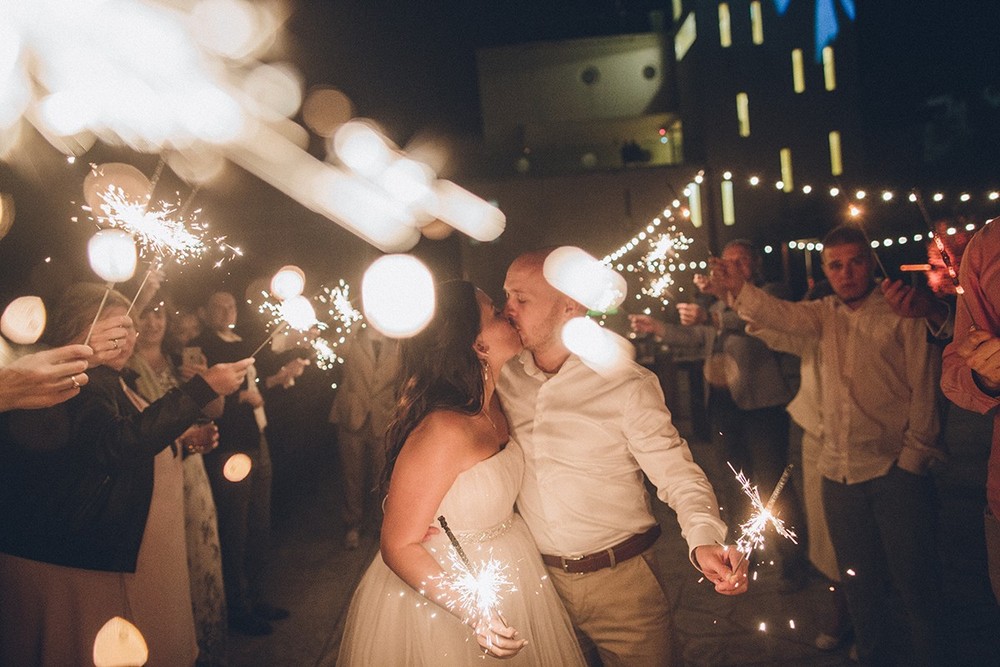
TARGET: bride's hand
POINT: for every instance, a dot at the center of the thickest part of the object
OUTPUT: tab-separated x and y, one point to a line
497	639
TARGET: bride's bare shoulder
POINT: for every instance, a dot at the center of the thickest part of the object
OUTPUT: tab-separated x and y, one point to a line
443	433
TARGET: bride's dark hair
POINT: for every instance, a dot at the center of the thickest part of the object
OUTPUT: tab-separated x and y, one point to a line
439	368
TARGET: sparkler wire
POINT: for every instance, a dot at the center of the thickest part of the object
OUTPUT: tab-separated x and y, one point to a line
945	257
104	299
454	542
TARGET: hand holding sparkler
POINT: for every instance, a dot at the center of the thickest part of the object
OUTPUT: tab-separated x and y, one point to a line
105	336
644	324
725	277
691	314
224	379
44	378
480	591
724	566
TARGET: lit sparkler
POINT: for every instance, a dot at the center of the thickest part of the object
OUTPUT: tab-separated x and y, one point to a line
326	334
659	262
160	231
480	590
338	303
752	530
945	255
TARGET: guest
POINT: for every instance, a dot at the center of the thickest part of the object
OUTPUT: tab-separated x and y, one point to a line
450	456
971	376
588	440
184	328
243	507
157	375
362	409
880	426
806	411
90	492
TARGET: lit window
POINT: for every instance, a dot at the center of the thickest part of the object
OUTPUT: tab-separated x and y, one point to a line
678	8
694	203
685	37
743	113
836	161
756	22
725	27
728	204
829	70
786	170
798	72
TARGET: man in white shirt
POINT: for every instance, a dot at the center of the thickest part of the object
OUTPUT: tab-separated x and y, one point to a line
880	419
587	441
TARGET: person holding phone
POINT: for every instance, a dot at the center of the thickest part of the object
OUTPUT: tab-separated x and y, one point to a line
156	375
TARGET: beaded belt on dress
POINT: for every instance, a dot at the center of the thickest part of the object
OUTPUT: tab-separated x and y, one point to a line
465	536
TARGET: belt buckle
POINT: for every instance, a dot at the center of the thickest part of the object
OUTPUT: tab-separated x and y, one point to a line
565	562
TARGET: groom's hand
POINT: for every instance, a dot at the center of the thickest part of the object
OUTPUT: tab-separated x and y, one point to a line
719	565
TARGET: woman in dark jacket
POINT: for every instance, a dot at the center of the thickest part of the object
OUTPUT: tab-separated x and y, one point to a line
91	500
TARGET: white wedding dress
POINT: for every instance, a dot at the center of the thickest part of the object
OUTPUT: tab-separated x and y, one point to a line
391	624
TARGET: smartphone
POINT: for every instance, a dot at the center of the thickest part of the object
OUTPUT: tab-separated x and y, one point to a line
193	356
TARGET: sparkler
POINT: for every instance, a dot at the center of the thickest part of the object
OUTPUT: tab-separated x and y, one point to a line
339	319
480	589
945	257
163	231
660	262
752	530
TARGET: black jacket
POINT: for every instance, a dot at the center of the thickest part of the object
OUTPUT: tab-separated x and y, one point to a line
76	479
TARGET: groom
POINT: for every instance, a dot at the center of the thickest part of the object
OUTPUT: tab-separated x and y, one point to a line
587	441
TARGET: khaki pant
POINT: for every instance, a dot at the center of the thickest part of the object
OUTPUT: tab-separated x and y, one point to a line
622	610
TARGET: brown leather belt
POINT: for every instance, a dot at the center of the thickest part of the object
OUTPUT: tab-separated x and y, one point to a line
621	552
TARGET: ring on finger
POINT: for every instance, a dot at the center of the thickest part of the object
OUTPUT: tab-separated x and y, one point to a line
115	341
72	378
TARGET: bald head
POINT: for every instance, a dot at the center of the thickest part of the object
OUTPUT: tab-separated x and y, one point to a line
536	308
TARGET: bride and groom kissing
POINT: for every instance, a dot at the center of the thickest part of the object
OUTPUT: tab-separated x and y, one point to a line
570	447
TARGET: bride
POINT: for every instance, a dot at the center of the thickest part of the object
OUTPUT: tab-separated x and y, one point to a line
450	456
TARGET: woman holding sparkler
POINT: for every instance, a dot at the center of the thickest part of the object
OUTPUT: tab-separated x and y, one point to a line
90	491
449	455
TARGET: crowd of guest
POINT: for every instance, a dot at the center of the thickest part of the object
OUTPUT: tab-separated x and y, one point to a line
113	481
118	439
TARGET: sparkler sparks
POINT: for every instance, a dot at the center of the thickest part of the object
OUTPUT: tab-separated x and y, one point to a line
479	589
160	231
664	250
339	306
752	530
329	331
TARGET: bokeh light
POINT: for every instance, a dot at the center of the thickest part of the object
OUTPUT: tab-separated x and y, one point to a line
23	320
584	279
397	295
112	255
